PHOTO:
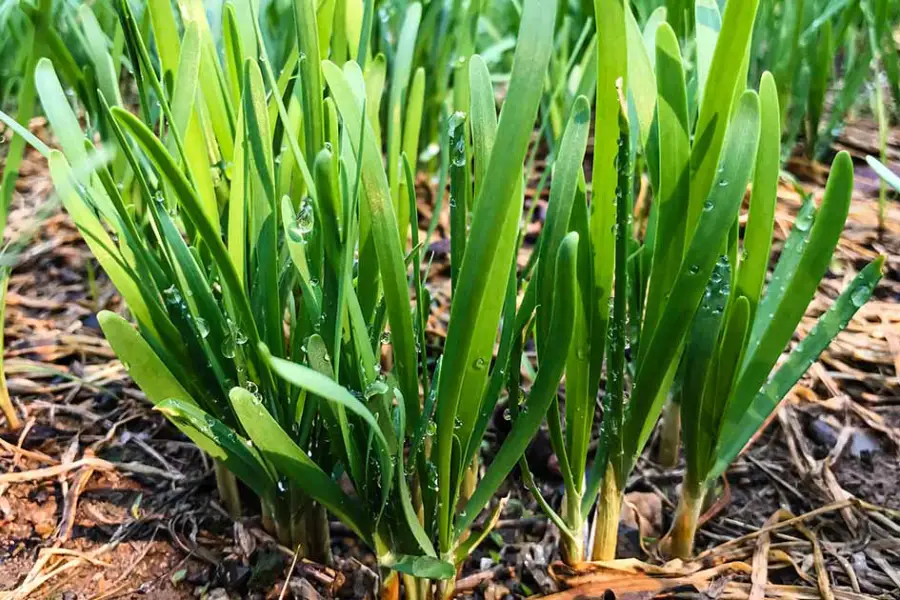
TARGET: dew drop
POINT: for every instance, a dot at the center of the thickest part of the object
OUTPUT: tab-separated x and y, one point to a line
859	296
228	346
305	218
173	296
376	388
803	222
202	327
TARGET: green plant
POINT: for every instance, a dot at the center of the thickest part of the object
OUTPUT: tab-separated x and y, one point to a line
739	333
259	335
687	277
262	231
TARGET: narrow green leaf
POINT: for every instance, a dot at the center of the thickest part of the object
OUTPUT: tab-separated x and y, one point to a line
60	113
425	567
674	177
612	66
882	171
774	325
641	82
473	324
758	235
699	367
716	106
386	236
719	211
741	425
141	362
708	26
543	390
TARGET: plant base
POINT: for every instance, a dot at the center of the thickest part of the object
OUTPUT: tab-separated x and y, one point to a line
685	525
571	547
606	526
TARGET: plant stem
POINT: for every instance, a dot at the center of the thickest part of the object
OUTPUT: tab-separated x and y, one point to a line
412	588
669	435
446	589
572	548
318	538
606	531
685	526
228	490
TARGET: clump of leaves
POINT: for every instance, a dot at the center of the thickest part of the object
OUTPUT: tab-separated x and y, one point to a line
261	245
686	297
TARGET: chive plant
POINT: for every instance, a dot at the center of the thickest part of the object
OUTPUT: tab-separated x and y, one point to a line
261	230
704	331
240	249
690	276
727	387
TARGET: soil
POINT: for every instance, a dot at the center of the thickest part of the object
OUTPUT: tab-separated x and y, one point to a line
146	523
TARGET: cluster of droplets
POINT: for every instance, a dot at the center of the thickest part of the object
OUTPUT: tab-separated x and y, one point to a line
719	287
431	477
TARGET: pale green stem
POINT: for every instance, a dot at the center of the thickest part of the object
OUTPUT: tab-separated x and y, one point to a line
572	547
687	516
609	506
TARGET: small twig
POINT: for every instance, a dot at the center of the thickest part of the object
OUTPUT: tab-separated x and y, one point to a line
48	472
834	506
29	454
287	580
70	504
775	478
